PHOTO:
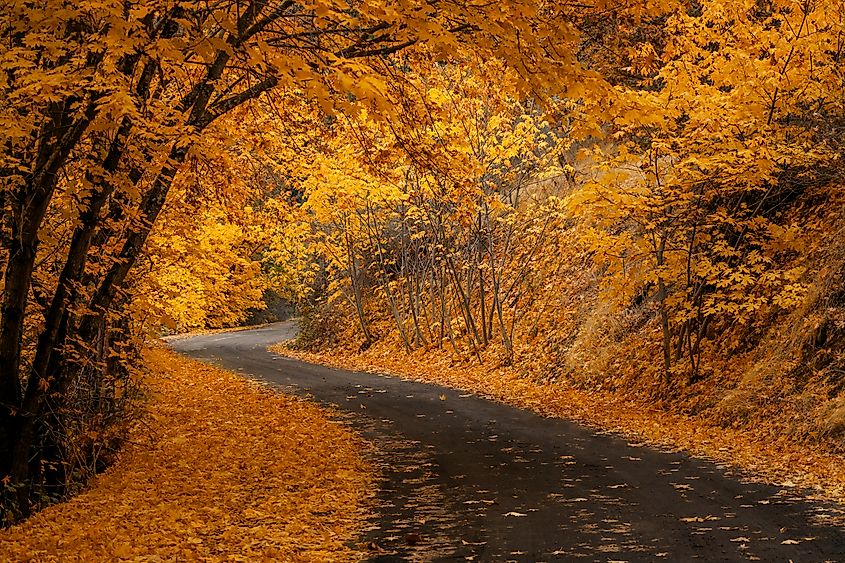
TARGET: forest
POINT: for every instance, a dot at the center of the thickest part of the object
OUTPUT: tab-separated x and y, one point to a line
642	198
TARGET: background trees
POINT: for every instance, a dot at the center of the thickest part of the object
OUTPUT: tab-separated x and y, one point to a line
107	103
670	230
740	113
433	218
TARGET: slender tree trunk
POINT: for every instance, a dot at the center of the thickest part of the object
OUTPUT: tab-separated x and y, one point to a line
463	299
664	314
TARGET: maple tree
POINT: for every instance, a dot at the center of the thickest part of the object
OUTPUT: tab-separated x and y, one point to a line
673	234
433	230
732	123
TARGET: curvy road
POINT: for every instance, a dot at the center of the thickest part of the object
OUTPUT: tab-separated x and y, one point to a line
465	478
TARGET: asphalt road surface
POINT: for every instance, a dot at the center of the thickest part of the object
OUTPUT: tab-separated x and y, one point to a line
465	478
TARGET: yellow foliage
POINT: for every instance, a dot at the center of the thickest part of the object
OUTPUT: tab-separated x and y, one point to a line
653	238
626	194
205	277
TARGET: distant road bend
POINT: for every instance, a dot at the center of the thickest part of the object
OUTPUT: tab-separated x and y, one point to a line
469	479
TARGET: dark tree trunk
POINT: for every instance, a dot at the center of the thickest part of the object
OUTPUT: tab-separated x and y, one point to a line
59	136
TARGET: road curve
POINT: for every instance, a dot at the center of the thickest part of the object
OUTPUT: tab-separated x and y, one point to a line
465	478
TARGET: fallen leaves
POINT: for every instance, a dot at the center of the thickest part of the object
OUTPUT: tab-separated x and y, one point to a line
221	469
700	518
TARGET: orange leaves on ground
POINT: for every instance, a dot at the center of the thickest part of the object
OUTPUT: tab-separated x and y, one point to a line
221	469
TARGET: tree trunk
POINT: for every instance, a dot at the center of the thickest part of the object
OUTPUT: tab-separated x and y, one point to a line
60	136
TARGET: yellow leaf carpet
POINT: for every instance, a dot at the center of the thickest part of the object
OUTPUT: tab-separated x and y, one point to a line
220	469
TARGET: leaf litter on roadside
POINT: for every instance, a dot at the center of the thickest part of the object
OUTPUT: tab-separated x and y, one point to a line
220	469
